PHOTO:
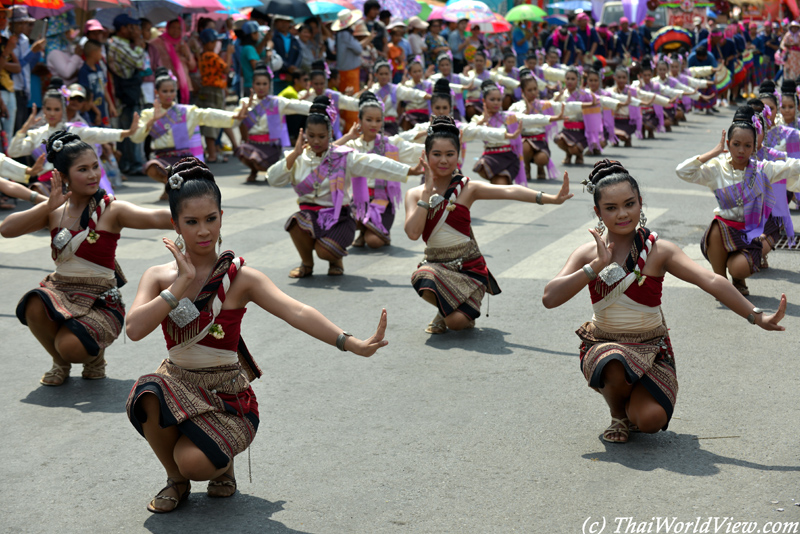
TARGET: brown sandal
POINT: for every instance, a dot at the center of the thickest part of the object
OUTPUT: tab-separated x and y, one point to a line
335	270
302	271
252	176
170	484
359	241
95	369
57	375
218	484
567	160
579	159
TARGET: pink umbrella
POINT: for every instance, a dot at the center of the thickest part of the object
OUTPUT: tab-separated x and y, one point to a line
200	5
498	25
437	13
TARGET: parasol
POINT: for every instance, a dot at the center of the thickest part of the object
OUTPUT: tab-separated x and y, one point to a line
525	12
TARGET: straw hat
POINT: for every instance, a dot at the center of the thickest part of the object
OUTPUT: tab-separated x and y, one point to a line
360	29
417	23
346	18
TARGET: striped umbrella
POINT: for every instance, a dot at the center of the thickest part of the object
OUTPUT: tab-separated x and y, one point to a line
670	39
329	8
497	25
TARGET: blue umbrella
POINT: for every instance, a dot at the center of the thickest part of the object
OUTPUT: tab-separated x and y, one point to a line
556	20
572	5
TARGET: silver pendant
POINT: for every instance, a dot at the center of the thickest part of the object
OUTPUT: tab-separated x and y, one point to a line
62	238
185	313
435	200
612	274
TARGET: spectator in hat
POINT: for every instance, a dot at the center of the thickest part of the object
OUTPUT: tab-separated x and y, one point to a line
416	31
589	36
287	46
348	56
698	32
126	61
28	55
646	33
628	42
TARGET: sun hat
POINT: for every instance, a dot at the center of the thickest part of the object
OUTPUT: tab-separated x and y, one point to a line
346	18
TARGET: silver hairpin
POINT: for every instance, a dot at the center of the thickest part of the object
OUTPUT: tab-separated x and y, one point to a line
58	145
430	130
175	181
588	186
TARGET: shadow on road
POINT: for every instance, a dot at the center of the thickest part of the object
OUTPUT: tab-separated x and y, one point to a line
485	341
348	282
87	396
678	453
241	513
24	268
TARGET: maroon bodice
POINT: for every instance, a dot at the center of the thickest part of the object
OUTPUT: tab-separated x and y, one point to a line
102	252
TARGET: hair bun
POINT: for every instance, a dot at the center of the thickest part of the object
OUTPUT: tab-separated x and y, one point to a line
56	142
55	83
320	106
744	114
366	96
161	71
605	167
767	86
318	65
444	123
788	87
442	85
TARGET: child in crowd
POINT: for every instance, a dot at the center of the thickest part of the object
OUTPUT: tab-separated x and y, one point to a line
214	79
93	77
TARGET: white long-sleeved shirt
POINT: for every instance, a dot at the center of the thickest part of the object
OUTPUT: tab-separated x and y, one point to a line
286	106
623	112
12	170
469	132
718	173
358	164
407	152
23	144
421	103
404	94
346	103
505	81
525	122
216	118
521	107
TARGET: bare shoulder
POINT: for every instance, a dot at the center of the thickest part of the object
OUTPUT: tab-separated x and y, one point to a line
161	275
415	193
664	248
586	252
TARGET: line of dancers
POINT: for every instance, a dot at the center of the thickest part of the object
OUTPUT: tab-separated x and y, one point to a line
198	410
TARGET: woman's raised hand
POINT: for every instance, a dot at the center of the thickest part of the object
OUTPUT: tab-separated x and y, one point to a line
158	111
134	126
426	169
32	121
604	252
186	270
563	193
38	166
57	195
720	148
300	144
770	322
370	346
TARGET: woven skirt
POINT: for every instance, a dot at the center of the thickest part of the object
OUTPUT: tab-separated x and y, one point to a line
79	304
736	241
497	164
458	276
261	155
165	158
647	358
214	407
414	118
538	145
649	120
336	240
623	126
576	137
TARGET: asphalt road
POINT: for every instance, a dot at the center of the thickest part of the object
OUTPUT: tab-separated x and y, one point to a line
490	430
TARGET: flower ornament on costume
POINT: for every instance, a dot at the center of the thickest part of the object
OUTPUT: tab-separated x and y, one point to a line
757	123
175	181
326	69
216	331
92	237
64	92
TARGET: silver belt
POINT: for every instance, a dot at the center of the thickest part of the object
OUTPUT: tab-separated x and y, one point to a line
452	264
112	296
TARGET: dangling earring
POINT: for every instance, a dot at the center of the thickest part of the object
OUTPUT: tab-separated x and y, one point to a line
180	243
219	244
642	219
600	228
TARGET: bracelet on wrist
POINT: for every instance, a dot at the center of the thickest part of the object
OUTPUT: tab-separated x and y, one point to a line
169	298
33	197
341	339
589	272
539	198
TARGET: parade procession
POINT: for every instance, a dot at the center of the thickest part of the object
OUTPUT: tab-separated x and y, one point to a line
453	224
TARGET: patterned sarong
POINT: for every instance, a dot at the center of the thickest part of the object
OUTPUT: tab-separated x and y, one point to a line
647	358
458	276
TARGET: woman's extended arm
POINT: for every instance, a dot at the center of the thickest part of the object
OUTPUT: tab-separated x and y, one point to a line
417	215
681	266
37	217
485	191
263	292
132	216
